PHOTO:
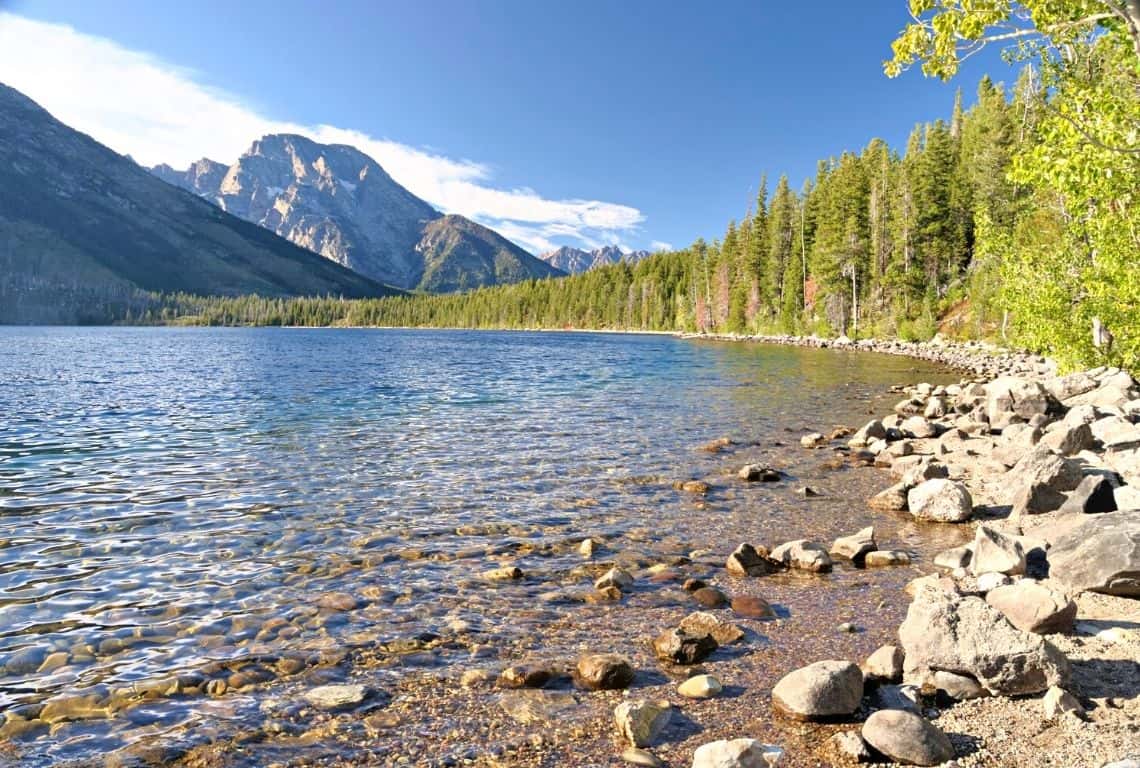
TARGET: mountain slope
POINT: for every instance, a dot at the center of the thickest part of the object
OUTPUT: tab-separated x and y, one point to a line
79	220
337	201
575	260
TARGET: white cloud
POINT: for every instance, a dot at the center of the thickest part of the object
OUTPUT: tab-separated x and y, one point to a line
660	245
140	105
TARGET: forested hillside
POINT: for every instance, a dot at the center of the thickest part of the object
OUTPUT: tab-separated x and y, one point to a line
1014	217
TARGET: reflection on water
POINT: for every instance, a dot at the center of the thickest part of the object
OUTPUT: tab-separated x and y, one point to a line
180	507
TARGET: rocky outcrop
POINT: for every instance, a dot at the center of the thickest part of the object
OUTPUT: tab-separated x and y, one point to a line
965	636
574	261
1101	553
338	202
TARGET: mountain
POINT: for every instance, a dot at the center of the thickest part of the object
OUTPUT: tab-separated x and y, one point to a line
81	225
574	260
337	201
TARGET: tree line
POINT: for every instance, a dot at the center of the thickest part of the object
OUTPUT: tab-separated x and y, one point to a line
1014	218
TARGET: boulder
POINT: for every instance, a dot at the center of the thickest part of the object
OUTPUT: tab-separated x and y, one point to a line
1034	607
821	690
803	555
855	546
943	501
1010	399
1066	387
907	738
988	582
679	647
1099	554
994	552
604	672
737	753
1069	440
745	560
926	469
918	427
1039	479
965	635
885	665
1094	495
641	722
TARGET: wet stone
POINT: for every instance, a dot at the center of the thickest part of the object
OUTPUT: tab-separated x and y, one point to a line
710	597
679	647
525	676
604	671
752	607
336	697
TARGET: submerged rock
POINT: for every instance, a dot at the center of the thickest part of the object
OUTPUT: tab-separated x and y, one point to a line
680	647
604	671
745	560
336	697
803	555
737	753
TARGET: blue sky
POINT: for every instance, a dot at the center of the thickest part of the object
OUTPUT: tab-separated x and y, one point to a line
559	123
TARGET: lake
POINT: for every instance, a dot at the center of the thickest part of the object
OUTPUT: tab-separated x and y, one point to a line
198	524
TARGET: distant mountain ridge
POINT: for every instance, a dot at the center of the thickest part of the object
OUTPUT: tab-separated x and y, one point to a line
337	201
575	260
81	225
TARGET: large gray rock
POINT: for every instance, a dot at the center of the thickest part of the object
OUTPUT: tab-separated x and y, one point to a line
964	635
1101	553
943	501
1034	607
737	753
1010	399
745	560
820	690
1038	482
1069	440
994	552
907	738
1094	495
884	665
